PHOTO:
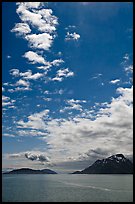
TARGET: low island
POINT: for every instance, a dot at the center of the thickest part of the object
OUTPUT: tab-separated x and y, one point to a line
30	171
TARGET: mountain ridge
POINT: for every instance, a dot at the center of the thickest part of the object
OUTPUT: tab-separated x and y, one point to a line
115	164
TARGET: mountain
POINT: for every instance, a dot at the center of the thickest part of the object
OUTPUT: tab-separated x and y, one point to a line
115	164
30	171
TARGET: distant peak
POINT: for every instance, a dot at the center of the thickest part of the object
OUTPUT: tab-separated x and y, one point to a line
120	155
117	156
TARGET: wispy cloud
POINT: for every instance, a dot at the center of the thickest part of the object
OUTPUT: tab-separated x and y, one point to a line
114	81
7	101
129	69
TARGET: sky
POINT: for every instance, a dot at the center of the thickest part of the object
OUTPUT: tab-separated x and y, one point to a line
67	84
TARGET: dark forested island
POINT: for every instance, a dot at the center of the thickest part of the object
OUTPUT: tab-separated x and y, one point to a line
115	164
30	171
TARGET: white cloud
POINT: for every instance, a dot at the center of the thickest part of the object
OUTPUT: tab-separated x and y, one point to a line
34	58
70	27
6	101
42	19
3	89
37	157
60	91
115	81
27	158
47	99
35	121
14	72
46	92
21	29
57	62
112	129
97	76
73	104
61	73
129	69
5	98
40	41
28	75
126	57
19	89
72	36
35	76
108	132
30	4
6	84
22	83
25	76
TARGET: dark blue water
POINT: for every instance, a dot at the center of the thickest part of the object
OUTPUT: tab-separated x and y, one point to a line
67	188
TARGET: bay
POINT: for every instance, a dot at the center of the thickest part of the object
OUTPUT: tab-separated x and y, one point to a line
67	188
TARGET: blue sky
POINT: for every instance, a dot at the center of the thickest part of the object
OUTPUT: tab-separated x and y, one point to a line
66	83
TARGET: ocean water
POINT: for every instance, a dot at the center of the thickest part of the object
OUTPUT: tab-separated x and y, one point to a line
67	188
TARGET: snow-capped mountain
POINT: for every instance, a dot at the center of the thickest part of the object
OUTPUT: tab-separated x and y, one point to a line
115	164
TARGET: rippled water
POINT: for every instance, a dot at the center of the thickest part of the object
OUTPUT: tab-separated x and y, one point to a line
67	188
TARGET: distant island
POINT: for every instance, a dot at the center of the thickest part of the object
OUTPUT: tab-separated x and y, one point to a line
115	164
30	171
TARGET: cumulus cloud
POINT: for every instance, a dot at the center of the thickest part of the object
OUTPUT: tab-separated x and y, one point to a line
22	82
57	62
73	104
25	76
40	18
62	73
40	41
36	15
108	132
21	29
72	36
30	4
29	76
31	155
34	58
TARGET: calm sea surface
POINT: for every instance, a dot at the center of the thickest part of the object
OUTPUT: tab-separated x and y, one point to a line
67	188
